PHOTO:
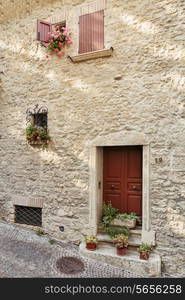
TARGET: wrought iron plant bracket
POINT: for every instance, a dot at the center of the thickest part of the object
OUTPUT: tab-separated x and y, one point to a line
37	119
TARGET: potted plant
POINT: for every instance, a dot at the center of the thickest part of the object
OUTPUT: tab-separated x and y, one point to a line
128	220
109	214
37	135
91	242
144	251
120	241
58	40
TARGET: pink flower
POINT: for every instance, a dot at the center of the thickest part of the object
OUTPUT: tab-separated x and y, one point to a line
56	50
46	45
46	56
60	53
65	33
69	42
60	44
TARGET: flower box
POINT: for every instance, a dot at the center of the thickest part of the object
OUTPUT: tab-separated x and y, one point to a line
124	222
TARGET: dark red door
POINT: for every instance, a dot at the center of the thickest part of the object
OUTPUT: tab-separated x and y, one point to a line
122	173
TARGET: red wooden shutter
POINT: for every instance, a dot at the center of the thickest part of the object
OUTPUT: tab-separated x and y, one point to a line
42	30
98	30
91	32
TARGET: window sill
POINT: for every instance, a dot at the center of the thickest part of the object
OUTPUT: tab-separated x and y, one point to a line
92	55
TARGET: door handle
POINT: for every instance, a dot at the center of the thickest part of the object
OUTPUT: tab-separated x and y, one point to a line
134	187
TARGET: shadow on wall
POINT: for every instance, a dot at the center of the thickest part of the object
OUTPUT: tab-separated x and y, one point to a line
9	10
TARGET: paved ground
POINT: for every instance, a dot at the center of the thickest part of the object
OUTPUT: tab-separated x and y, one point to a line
25	254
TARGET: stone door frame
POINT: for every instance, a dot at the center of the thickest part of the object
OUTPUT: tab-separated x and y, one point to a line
96	180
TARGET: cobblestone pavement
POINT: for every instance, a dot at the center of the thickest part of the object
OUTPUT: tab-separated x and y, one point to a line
25	254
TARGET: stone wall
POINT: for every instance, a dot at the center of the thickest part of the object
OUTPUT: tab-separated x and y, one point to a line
85	101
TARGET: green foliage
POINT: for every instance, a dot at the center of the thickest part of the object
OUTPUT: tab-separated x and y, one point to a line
144	248
36	133
52	242
120	241
30	130
112	231
109	213
43	135
40	232
131	216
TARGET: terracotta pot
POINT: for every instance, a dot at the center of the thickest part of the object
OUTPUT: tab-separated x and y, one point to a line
121	251
144	255
91	246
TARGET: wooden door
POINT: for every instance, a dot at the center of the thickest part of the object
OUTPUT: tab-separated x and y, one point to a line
122	178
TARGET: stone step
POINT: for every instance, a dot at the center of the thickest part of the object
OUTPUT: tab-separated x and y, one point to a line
134	240
136	231
130	262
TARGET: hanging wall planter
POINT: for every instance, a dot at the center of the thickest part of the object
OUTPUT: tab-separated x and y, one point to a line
37	131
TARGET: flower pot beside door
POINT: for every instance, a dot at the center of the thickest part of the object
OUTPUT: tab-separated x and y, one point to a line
120	241
91	242
121	251
144	251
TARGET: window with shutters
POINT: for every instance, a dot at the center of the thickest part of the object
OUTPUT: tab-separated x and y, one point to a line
91	32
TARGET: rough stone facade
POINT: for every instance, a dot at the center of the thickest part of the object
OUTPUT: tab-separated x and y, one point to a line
86	100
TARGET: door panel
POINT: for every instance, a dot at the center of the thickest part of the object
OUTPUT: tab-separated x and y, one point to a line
134	204
122	172
113	170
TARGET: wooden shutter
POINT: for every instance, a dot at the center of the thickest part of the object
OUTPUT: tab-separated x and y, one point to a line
91	32
42	30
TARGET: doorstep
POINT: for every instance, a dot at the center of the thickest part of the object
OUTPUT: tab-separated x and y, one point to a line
130	262
134	240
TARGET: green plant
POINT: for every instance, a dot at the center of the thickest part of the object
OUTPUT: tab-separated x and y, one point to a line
131	216
43	135
40	232
115	230
91	239
36	133
58	40
52	242
109	213
30	130
120	241
144	248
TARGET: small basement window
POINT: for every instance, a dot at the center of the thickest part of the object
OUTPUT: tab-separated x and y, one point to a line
28	215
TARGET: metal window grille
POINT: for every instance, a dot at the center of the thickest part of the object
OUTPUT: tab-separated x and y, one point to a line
40	119
28	215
